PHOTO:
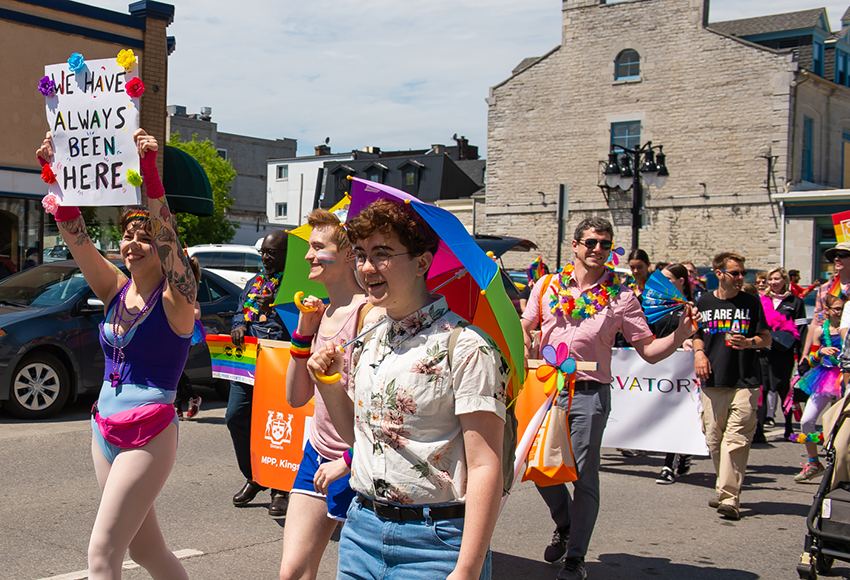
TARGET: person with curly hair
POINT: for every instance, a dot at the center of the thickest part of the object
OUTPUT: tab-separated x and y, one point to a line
426	420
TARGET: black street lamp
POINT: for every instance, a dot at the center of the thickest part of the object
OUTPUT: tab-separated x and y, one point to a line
624	170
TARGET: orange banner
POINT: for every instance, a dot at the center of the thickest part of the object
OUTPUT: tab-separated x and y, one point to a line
278	431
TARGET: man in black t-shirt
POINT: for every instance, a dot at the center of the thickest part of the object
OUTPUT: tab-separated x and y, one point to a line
733	328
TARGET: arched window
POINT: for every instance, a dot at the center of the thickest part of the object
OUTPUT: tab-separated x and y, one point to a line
627	65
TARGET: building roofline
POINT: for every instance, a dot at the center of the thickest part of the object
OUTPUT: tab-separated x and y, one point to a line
308	157
93	12
777	51
535	63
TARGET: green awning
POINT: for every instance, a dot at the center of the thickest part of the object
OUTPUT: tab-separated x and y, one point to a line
187	187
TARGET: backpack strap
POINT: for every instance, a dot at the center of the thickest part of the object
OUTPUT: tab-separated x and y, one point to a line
453	340
546	281
361	317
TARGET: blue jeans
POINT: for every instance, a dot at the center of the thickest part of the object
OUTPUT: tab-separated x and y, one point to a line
374	549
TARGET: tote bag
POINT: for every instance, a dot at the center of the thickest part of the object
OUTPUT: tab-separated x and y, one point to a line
550	461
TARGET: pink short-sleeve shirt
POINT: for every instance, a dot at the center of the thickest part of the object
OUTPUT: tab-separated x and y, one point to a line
589	339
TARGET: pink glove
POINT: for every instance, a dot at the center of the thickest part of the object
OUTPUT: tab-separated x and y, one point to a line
150	175
64	213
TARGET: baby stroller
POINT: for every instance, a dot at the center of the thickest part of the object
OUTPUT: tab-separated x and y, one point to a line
828	521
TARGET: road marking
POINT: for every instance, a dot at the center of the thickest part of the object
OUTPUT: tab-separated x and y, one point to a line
126	565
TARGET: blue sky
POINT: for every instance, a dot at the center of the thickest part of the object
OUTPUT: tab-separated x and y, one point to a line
387	73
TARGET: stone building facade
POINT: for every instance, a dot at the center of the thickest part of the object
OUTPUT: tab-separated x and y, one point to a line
728	111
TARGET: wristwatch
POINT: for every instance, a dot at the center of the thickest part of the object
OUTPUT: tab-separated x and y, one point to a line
753	342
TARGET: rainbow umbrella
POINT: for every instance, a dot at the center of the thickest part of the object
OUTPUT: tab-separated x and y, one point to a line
296	270
480	296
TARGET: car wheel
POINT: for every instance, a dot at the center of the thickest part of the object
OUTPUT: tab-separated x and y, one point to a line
40	387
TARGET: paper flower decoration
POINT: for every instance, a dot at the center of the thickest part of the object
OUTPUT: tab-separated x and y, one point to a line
135	87
47	87
76	62
47	174
50	203
806	437
560	369
126	59
134	178
613	260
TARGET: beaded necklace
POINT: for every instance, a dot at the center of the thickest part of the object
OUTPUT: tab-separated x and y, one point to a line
563	303
119	340
264	285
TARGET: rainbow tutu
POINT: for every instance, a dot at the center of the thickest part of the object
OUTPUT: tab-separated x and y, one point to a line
821	380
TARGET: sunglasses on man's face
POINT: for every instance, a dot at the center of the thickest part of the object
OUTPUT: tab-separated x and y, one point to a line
590	244
842	255
269	252
735	273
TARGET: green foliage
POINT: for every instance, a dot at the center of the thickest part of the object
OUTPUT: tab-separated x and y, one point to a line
215	229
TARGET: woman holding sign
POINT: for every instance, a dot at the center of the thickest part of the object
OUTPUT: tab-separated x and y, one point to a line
321	493
145	337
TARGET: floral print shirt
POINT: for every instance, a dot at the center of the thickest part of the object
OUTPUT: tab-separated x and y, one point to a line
408	446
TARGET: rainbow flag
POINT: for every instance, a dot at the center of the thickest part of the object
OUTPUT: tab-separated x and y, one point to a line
535	271
231	362
835	287
841	223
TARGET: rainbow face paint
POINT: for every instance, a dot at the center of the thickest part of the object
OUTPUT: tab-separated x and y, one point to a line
325	257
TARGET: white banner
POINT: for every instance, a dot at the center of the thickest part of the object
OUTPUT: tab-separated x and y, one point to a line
655	407
93	119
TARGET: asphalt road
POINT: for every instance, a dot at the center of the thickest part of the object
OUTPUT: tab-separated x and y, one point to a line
49	497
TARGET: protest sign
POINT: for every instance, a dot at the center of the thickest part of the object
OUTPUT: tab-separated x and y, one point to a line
279	431
655	407
92	116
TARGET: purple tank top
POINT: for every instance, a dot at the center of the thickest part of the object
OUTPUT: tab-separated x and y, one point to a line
155	355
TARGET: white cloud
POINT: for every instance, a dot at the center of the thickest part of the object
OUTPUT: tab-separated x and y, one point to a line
396	75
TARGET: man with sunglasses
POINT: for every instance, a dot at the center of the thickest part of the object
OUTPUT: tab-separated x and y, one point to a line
255	317
589	333
725	361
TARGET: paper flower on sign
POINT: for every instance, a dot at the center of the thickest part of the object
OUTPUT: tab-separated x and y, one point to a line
126	59
613	260
76	62
134	178
47	87
560	369
47	174
50	203
135	87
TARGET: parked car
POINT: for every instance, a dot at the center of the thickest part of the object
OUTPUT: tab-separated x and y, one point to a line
49	346
499	245
55	254
230	261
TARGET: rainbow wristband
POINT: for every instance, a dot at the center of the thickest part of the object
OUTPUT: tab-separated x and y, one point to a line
346	456
300	346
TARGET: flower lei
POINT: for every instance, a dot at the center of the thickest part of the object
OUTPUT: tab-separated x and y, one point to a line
806	437
562	303
264	285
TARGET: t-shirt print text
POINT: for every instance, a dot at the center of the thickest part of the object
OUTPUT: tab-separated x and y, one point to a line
726	320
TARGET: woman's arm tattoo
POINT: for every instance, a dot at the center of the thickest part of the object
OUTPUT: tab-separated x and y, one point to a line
174	262
77	228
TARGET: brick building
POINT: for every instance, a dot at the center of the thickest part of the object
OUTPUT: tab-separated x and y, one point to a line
40	32
747	111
